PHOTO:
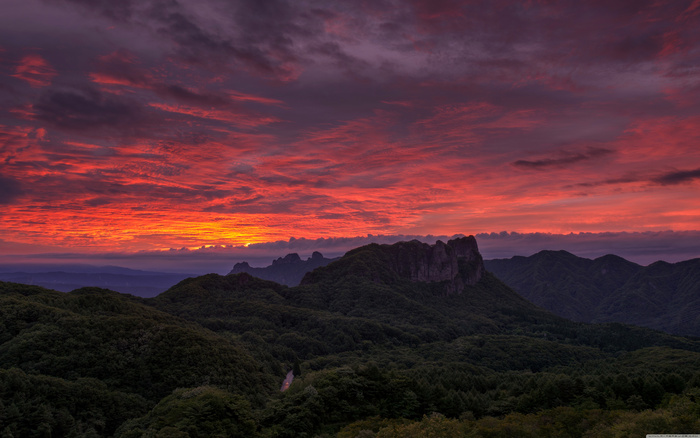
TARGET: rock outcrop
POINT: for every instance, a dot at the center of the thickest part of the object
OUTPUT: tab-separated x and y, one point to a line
457	262
287	270
289	259
240	267
454	265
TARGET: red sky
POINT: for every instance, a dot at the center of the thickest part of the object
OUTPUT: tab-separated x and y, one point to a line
145	125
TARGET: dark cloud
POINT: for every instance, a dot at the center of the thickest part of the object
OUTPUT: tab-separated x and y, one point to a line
639	247
611	181
10	190
121	68
257	35
353	66
292	203
122	10
273	37
666	179
635	48
192	39
98	202
273	26
185	195
677	177
182	94
86	109
566	158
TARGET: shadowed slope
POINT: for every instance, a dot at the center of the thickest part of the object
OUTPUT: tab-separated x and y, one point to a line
661	296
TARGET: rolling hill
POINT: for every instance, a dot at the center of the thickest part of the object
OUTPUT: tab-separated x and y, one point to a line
386	338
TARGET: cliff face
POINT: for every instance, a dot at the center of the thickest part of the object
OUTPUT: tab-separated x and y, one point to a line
423	262
289	259
458	262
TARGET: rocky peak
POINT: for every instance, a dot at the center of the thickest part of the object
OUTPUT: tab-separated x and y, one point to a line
466	248
240	267
287	260
422	262
457	262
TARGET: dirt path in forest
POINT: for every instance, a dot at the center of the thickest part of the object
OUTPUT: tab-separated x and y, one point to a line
287	381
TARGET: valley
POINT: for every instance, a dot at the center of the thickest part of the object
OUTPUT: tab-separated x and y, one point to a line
389	340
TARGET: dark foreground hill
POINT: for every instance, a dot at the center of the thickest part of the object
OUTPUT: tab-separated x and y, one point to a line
123	356
662	296
390	340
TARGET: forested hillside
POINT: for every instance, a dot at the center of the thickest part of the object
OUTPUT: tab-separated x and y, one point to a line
390	340
663	296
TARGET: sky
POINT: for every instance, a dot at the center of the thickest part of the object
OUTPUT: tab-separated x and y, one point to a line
191	127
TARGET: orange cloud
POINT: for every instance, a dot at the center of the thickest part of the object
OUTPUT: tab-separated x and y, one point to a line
35	70
240	119
110	79
243	97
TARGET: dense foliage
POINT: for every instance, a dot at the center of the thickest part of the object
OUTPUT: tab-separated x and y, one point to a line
374	355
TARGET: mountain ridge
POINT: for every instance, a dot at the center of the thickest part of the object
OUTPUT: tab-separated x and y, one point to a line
288	270
420	262
387	333
663	296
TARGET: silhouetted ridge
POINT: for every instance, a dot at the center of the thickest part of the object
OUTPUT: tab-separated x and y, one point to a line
287	260
288	270
662	296
140	283
457	263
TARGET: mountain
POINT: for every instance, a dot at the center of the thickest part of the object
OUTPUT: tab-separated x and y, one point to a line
408	294
75	268
386	338
413	285
129	281
86	361
661	296
664	296
288	270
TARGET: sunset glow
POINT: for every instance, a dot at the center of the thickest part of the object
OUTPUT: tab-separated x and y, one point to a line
140	126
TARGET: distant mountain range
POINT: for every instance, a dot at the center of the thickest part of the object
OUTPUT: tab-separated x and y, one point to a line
288	270
65	278
663	296
384	339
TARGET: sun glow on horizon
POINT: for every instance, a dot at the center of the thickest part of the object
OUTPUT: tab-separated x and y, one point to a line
179	142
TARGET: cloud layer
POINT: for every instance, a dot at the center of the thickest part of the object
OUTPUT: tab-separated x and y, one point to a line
147	125
640	247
